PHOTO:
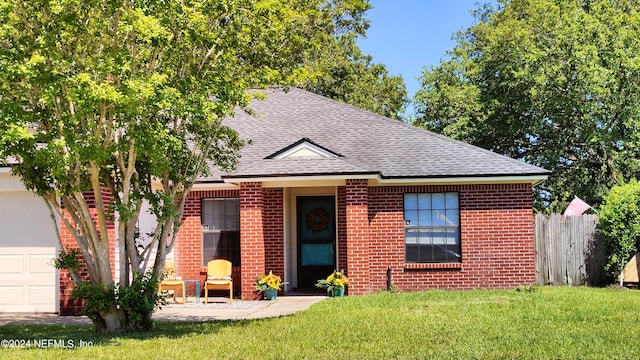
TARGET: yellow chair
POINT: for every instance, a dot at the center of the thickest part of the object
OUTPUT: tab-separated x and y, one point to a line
174	285
171	282
218	278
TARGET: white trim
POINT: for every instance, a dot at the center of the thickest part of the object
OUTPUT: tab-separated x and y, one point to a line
214	186
299	178
533	179
376	180
304	183
305	149
290	253
4	170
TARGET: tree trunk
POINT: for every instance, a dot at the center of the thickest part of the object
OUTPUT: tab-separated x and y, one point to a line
113	320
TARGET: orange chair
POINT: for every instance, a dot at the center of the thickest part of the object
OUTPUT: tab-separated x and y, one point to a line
218	278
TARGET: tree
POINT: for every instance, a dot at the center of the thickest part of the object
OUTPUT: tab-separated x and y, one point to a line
550	82
339	70
342	72
619	226
125	100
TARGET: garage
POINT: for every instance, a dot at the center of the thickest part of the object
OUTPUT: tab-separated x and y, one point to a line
28	281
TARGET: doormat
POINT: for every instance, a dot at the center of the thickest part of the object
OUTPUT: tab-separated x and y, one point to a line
237	304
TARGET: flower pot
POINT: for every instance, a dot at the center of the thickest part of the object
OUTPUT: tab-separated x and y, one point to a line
270	294
337	292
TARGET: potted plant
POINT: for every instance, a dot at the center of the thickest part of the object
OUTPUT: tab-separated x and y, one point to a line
269	285
334	283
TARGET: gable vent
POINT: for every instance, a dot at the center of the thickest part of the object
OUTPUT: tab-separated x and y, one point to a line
304	148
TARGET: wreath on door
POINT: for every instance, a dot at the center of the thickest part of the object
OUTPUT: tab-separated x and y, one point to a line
317	220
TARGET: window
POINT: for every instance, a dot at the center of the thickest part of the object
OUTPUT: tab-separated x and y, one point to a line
221	230
432	227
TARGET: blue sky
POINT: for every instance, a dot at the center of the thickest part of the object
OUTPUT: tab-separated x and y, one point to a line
409	35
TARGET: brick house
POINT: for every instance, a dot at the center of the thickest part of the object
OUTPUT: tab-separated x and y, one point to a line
323	185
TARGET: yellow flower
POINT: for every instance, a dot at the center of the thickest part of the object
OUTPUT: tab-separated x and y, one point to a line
269	281
336	280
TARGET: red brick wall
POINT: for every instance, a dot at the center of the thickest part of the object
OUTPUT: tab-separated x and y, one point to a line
496	238
273	225
188	246
357	231
251	236
68	306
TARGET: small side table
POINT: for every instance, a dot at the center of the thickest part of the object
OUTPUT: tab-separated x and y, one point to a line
186	285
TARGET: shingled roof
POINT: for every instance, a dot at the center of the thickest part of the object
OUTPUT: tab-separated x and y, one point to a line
348	141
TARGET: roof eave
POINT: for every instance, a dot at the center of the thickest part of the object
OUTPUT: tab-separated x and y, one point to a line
533	179
376	179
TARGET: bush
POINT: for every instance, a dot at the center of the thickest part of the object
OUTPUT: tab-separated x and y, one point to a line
139	300
619	225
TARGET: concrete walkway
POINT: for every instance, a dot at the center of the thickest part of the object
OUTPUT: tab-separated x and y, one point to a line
218	310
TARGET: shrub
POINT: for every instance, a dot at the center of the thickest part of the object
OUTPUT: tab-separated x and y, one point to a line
619	225
139	300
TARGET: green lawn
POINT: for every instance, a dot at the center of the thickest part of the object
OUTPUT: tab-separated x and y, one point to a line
549	322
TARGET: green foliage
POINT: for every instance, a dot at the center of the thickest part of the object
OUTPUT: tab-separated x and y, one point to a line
339	70
139	300
342	72
548	82
130	97
619	225
336	280
96	298
527	288
270	281
68	259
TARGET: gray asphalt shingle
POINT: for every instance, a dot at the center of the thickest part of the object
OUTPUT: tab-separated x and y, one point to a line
369	143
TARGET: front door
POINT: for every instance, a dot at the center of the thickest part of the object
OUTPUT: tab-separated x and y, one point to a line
316	225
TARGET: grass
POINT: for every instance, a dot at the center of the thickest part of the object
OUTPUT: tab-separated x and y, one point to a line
536	323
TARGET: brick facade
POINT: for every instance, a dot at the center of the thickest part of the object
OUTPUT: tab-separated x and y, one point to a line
496	236
66	305
188	247
358	237
252	239
273	226
496	225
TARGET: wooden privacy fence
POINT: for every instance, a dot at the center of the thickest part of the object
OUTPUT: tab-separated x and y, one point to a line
568	251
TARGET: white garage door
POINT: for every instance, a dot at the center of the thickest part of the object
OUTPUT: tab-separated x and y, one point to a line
27	245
